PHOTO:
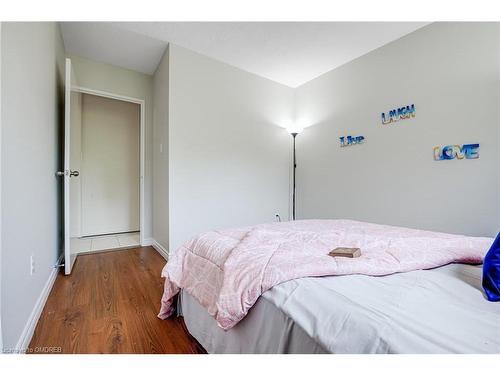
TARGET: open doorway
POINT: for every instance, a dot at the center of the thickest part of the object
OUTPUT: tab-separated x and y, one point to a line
106	184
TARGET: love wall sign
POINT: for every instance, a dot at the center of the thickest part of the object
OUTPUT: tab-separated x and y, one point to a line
467	151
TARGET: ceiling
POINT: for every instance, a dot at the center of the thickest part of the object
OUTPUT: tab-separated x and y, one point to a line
290	53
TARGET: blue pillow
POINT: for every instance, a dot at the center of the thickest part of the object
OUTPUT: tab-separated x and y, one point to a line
491	272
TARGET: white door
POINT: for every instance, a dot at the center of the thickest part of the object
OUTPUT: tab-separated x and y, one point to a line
69	256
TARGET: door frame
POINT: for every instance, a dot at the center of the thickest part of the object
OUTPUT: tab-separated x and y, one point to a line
142	141
1	335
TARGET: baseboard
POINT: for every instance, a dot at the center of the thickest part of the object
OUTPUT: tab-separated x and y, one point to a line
161	250
29	328
90	252
147	242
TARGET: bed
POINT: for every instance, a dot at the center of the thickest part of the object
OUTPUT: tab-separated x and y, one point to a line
438	310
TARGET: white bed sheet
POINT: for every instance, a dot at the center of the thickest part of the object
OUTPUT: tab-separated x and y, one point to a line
431	311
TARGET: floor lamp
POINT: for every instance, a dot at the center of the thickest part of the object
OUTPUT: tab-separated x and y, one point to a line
294	133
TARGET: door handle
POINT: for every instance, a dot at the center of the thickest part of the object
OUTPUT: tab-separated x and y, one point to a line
71	174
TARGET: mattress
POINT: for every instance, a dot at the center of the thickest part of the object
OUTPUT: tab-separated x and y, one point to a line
442	310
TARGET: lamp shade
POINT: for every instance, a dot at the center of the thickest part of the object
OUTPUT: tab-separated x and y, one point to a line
294	129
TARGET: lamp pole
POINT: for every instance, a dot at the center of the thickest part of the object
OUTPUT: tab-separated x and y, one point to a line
294	168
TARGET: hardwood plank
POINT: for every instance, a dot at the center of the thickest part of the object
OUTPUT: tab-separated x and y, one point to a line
109	305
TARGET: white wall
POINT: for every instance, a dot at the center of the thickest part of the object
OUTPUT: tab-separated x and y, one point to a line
450	71
228	157
109	78
160	152
32	74
110	169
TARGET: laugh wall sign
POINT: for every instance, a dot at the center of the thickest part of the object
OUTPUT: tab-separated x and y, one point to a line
398	114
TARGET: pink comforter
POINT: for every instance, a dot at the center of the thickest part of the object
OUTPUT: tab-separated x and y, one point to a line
227	270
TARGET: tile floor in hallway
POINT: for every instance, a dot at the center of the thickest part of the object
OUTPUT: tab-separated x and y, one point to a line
105	242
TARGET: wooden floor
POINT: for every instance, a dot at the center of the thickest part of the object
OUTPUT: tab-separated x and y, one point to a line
109	305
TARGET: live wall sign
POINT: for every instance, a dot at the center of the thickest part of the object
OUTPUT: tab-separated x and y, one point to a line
351	140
